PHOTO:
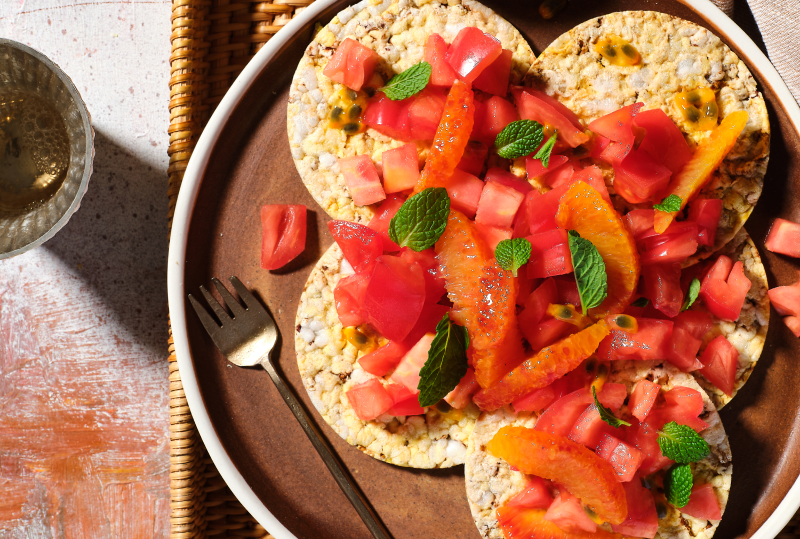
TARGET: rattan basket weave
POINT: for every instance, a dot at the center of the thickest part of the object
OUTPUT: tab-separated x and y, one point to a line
212	41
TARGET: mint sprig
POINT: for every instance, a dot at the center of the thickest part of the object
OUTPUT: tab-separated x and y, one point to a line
519	138
590	271
691	294
606	414
670	204
410	82
641	302
512	254
547	148
421	219
678	484
682	444
446	364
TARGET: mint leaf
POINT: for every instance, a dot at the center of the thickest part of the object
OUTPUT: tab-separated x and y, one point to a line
691	294
678	484
547	148
410	82
681	443
590	271
511	254
606	414
670	204
421	219
519	138
641	302
446	364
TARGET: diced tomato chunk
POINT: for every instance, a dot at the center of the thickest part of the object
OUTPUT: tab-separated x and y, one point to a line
535	401
434	283
703	503
784	238
425	113
676	244
618	125
382	361
786	299
724	289
352	64
542	209
400	168
687	337
720	359
494	79
472	52
594	177
560	416
550	254
474	158
688	399
522	221
662	140
639	221
536	169
615	152
465	192
644	437
504	177
589	429
369	400
706	213
395	296
493	235
539	299
642	398
545	332
642	519
349	299
598	146
436	55
639	177
662	286
562	176
536	494
651	341
430	316
361	178
360	244
388	117
682	405
624	458
407	371
383	216
525	287
532	106
462	394
491	117
336	68
404	401
498	205
568	290
567	513
283	229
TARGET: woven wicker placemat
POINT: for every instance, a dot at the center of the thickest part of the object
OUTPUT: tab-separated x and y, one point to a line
212	41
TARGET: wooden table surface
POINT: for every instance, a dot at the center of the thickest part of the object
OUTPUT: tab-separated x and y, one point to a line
83	319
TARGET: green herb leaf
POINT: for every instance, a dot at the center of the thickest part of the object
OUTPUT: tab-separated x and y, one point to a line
519	138
670	204
511	254
641	302
606	414
681	443
421	219
678	484
544	152
446	364
691	294
590	271
410	82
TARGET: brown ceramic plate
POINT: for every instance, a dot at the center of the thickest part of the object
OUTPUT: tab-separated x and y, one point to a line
243	161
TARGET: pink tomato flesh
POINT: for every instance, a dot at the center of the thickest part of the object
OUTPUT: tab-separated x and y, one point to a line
719	360
508	179
369	400
786	299
724	289
462	394
662	140
491	117
383	216
494	79
651	341
642	519
550	254
465	192
352	64
407	371
498	205
395	296
348	296
404	401
642	399
474	158
532	106
624	458
436	55
535	401
639	177
360	244
784	238
400	168
536	494
425	113
706	213
382	361
472	52
567	513
388	117
662	286
703	503
283	228
493	235
361	178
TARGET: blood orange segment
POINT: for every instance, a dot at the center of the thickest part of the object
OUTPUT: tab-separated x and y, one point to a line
583	473
584	210
544	368
484	299
698	170
524	523
451	139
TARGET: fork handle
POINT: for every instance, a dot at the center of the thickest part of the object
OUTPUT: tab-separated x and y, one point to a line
323	447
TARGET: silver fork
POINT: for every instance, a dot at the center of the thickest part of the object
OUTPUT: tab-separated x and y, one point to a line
247	339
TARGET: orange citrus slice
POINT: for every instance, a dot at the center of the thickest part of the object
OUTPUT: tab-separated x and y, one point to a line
583	209
705	160
526	523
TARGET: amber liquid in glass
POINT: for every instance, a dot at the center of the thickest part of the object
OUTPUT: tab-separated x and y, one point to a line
34	151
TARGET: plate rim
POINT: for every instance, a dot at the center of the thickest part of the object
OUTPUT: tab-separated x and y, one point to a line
187	198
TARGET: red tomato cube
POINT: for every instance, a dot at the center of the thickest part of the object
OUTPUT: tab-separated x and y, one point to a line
784	238
474	158
436	55
706	213
644	437
662	286
567	290
615	152
639	177
599	144
361	178
618	125
589	429
559	107
382	361
360	244
525	287
536	494
383	216
624	458
348	297
462	394
642	519
407	372
536	169
724	289
662	140
682	405
676	244
425	113
395	296
369	400
550	254
522	221
593	176
650	342
283	228
400	168
642	399
560	416
538	301
336	68
434	283
545	332
532	106
535	401
786	299
388	117
404	401
703	503
471	52
431	315
720	359
542	209
491	117
494	79
562	176
352	64
567	513
688	399
493	235
465	192
498	205
640	221
687	337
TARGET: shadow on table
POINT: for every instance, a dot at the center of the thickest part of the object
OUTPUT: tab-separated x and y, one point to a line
118	240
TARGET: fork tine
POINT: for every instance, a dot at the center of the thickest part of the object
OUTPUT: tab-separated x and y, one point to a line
209	323
246	295
219	310
235	307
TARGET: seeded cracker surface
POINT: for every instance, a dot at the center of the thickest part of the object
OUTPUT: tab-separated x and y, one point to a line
328	365
677	56
491	482
397	31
